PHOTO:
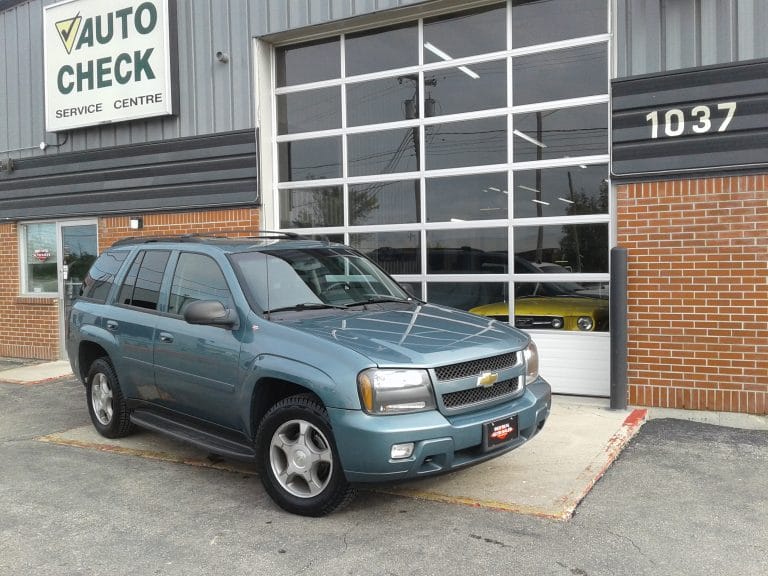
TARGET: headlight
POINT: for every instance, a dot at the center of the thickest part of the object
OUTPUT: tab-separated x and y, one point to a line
531	355
395	391
585	323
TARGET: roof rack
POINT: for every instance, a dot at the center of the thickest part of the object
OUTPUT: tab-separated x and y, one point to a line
200	237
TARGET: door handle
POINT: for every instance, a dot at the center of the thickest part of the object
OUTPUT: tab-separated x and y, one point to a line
112	325
165	337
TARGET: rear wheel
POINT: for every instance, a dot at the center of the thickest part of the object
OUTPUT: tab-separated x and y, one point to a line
106	403
298	459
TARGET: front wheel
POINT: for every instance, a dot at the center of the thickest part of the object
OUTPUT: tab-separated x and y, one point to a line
298	460
106	403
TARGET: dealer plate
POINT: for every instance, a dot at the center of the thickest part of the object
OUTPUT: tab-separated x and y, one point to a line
499	432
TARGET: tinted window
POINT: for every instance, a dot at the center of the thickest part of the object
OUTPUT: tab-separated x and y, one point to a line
197	277
142	285
101	276
382	50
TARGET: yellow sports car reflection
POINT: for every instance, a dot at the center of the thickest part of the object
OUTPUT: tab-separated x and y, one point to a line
580	313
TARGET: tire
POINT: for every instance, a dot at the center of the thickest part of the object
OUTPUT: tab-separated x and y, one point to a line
106	404
298	460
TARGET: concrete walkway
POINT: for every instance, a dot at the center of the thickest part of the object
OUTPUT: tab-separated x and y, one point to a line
24	372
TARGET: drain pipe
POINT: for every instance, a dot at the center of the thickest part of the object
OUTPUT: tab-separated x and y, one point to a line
618	322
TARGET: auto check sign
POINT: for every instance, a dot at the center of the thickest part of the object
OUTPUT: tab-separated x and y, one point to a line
106	62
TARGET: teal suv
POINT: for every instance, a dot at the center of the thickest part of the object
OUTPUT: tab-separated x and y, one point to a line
300	355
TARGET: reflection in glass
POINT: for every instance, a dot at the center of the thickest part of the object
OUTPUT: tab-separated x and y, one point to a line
379	101
542	21
309	111
310	159
467	34
573	247
452	90
567	191
40	258
471	143
465	295
395	252
308	63
562	133
381	50
385	152
560	306
312	207
473	197
384	203
553	306
479	251
560	74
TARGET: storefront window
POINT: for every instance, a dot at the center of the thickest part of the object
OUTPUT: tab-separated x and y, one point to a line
470	143
311	207
462	198
382	50
40	258
569	191
441	171
467	34
395	252
542	21
384	203
379	101
309	111
561	133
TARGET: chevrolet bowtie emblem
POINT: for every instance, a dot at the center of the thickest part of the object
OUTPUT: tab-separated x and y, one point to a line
487	379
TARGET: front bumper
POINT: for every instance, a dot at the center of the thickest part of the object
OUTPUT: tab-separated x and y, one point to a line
442	443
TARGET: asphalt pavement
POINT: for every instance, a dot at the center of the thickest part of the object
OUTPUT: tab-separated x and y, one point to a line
682	498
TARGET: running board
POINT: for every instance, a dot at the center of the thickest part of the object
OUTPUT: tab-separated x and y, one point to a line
200	438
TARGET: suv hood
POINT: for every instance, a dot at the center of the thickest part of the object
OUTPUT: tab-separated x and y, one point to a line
422	335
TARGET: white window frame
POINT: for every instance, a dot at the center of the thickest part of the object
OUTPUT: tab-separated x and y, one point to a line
269	114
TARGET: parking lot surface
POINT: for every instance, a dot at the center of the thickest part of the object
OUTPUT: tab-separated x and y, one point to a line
682	498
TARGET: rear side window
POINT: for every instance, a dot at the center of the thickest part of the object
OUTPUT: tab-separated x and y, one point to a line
101	276
141	287
197	277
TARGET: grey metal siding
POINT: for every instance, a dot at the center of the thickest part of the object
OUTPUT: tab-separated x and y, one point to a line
213	97
661	35
204	171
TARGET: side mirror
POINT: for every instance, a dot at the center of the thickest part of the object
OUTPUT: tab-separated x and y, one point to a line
211	313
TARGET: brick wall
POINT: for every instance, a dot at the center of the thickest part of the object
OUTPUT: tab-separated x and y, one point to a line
233	222
698	292
29	326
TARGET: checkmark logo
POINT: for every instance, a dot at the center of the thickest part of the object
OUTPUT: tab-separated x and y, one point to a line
68	30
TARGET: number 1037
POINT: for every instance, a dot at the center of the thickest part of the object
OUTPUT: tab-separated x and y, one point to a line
700	117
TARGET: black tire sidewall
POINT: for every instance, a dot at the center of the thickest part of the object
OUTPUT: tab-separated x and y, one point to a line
338	489
119	425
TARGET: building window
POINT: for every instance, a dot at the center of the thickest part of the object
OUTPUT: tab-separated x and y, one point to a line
467	154
39	257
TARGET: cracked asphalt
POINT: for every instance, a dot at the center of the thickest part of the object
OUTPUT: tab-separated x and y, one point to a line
683	498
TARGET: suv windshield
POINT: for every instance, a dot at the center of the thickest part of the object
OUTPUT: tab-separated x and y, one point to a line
329	277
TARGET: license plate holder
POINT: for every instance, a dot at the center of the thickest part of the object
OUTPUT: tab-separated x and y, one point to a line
499	432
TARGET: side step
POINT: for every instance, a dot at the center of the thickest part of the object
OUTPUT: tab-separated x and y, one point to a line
228	448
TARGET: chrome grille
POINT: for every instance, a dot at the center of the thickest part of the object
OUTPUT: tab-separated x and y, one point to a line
475	367
479	394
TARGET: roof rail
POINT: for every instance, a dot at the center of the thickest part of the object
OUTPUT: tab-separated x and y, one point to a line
199	237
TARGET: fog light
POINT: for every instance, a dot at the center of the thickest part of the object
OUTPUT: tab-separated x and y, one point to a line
400	451
557	323
585	323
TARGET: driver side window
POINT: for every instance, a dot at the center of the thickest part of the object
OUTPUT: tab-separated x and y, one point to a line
197	277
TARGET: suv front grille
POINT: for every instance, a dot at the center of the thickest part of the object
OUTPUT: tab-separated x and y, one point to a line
479	394
475	367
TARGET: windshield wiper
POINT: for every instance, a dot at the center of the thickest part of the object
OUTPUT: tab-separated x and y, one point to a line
305	306
381	300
